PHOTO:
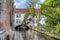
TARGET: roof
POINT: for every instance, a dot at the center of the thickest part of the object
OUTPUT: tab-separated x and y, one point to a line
22	11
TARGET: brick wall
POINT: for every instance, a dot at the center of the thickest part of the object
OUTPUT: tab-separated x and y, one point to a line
6	16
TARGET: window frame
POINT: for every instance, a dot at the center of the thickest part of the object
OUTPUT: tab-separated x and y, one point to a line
18	15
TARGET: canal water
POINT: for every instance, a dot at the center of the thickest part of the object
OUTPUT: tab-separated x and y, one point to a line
30	35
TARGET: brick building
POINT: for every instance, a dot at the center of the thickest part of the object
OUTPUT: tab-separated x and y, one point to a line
0	11
6	11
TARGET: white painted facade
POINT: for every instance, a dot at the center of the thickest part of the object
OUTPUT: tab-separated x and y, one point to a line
18	17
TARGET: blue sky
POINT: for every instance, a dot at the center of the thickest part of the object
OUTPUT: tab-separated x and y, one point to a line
21	3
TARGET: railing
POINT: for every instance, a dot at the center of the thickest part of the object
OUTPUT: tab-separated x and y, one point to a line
4	35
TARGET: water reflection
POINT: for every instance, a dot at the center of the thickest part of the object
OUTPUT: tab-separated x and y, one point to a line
30	35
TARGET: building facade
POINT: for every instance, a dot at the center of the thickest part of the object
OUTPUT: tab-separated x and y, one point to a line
19	17
0	11
6	11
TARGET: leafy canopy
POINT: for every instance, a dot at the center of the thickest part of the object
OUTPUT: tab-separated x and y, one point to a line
51	10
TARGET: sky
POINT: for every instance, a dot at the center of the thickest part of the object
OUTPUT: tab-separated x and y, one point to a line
22	3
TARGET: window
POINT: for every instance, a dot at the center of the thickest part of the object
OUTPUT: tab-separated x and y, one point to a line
18	21
35	21
18	16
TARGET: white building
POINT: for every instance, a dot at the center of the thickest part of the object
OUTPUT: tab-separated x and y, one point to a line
19	16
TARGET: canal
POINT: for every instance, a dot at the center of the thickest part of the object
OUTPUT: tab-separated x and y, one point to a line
30	35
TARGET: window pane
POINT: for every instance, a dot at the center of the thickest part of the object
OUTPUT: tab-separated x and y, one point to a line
17	16
35	21
17	21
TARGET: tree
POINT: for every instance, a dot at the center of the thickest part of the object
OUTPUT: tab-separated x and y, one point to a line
53	3
31	4
51	10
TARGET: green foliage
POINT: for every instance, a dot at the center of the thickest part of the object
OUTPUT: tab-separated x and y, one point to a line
47	2
51	14
51	10
53	3
57	28
29	12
